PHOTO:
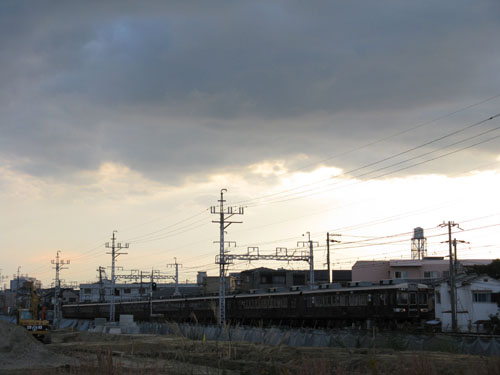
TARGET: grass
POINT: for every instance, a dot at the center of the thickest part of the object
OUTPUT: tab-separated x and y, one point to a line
122	355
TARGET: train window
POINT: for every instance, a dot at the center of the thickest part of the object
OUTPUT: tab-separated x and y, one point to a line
363	300
87	291
422	298
413	298
402	298
293	303
318	301
336	300
342	301
353	300
279	279
266	279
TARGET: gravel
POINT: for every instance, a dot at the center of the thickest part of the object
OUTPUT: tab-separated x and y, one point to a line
20	350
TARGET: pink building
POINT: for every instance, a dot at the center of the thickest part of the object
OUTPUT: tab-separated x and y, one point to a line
427	268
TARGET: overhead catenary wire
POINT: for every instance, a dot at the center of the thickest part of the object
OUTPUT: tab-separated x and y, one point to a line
301	194
380	140
160	234
278	197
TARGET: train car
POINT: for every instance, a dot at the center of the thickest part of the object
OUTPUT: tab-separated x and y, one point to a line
383	305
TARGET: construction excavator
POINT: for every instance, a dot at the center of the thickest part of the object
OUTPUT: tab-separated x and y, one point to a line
30	315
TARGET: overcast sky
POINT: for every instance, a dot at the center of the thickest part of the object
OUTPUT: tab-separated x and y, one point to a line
133	115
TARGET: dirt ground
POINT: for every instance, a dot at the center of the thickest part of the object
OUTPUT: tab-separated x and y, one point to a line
93	353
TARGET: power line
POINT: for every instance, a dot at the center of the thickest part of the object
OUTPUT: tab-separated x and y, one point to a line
287	193
399	133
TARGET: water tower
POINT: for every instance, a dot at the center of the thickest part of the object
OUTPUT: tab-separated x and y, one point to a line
418	244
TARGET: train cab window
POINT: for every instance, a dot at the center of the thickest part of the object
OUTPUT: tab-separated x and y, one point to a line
402	298
413	298
422	298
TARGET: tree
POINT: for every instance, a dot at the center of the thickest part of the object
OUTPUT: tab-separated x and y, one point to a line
492	269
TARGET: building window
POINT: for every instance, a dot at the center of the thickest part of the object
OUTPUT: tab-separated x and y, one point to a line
431	274
482	297
401	275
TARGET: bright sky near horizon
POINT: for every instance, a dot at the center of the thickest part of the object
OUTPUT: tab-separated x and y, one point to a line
365	119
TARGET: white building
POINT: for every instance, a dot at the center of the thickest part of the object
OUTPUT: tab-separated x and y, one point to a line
428	268
18	282
123	292
477	299
95	292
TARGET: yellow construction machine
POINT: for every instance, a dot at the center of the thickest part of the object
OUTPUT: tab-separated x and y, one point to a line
29	315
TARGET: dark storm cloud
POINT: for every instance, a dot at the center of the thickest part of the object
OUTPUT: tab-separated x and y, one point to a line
174	88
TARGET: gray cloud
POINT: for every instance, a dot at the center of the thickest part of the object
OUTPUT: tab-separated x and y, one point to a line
185	88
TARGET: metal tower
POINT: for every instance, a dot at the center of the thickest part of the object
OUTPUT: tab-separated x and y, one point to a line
224	214
115	253
418	244
59	265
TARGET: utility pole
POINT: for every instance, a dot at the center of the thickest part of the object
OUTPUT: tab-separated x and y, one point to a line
224	214
328	240
59	265
453	296
140	288
101	284
311	257
151	295
115	253
176	265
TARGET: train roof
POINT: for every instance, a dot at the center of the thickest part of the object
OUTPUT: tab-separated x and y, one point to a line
400	286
